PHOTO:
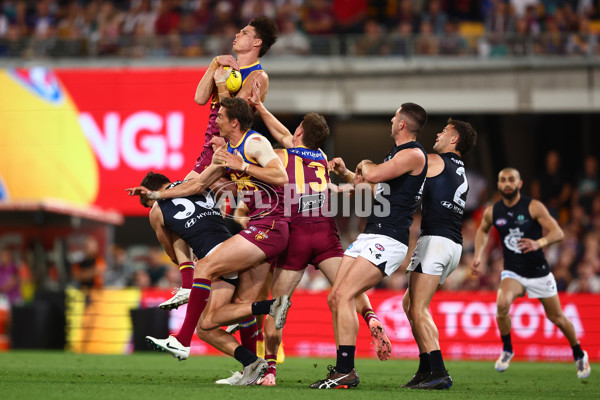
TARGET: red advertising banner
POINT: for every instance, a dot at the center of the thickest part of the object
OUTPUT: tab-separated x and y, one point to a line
465	320
84	135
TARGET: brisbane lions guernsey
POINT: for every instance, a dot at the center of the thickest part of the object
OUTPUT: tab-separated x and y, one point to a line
307	195
212	129
514	223
262	199
444	199
396	200
196	220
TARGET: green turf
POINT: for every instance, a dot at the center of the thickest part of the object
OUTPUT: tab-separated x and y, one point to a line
58	375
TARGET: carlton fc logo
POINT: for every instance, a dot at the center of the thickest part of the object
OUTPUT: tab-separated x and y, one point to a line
501	222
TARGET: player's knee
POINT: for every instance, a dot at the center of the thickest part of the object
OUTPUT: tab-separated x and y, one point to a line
331	301
502	307
202	334
557	319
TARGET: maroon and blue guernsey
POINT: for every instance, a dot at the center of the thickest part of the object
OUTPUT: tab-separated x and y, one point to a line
307	194
262	199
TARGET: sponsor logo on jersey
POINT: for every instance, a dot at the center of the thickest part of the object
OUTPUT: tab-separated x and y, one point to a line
501	221
190	222
261	235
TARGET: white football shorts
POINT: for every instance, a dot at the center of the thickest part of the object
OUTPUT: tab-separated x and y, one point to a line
537	288
382	251
435	255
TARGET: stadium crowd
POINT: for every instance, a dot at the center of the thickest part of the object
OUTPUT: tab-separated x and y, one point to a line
575	262
195	28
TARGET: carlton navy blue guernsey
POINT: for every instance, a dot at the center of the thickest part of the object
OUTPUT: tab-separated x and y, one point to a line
196	220
403	197
444	199
513	224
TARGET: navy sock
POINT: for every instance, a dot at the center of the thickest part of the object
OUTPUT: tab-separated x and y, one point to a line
436	363
262	307
577	352
345	359
506	343
424	363
245	356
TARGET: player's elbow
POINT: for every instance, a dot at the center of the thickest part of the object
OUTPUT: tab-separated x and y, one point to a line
281	179
560	235
202	100
371	176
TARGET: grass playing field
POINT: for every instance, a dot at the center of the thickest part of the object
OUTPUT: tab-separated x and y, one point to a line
61	375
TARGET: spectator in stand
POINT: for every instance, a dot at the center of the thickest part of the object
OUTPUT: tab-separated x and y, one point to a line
10	285
436	16
318	22
109	23
372	42
500	19
291	41
120	273
587	185
583	42
401	40
88	273
350	17
518	43
552	187
552	40
407	13
426	43
587	281
140	21
452	42
202	12
562	269
168	18
223	17
191	36
256	8
157	266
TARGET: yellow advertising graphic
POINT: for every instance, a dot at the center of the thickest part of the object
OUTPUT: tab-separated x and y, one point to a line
44	152
99	322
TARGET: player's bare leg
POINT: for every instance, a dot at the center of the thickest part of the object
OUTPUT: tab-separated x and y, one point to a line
555	314
508	292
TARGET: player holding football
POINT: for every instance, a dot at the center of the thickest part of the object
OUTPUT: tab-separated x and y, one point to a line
521	222
253	165
252	42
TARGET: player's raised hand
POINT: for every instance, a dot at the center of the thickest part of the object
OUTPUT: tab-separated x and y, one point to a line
228	61
217	141
221	74
337	166
137	191
220	156
254	98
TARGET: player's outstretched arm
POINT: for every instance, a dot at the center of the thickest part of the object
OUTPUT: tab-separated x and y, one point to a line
404	162
338	167
279	132
270	169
